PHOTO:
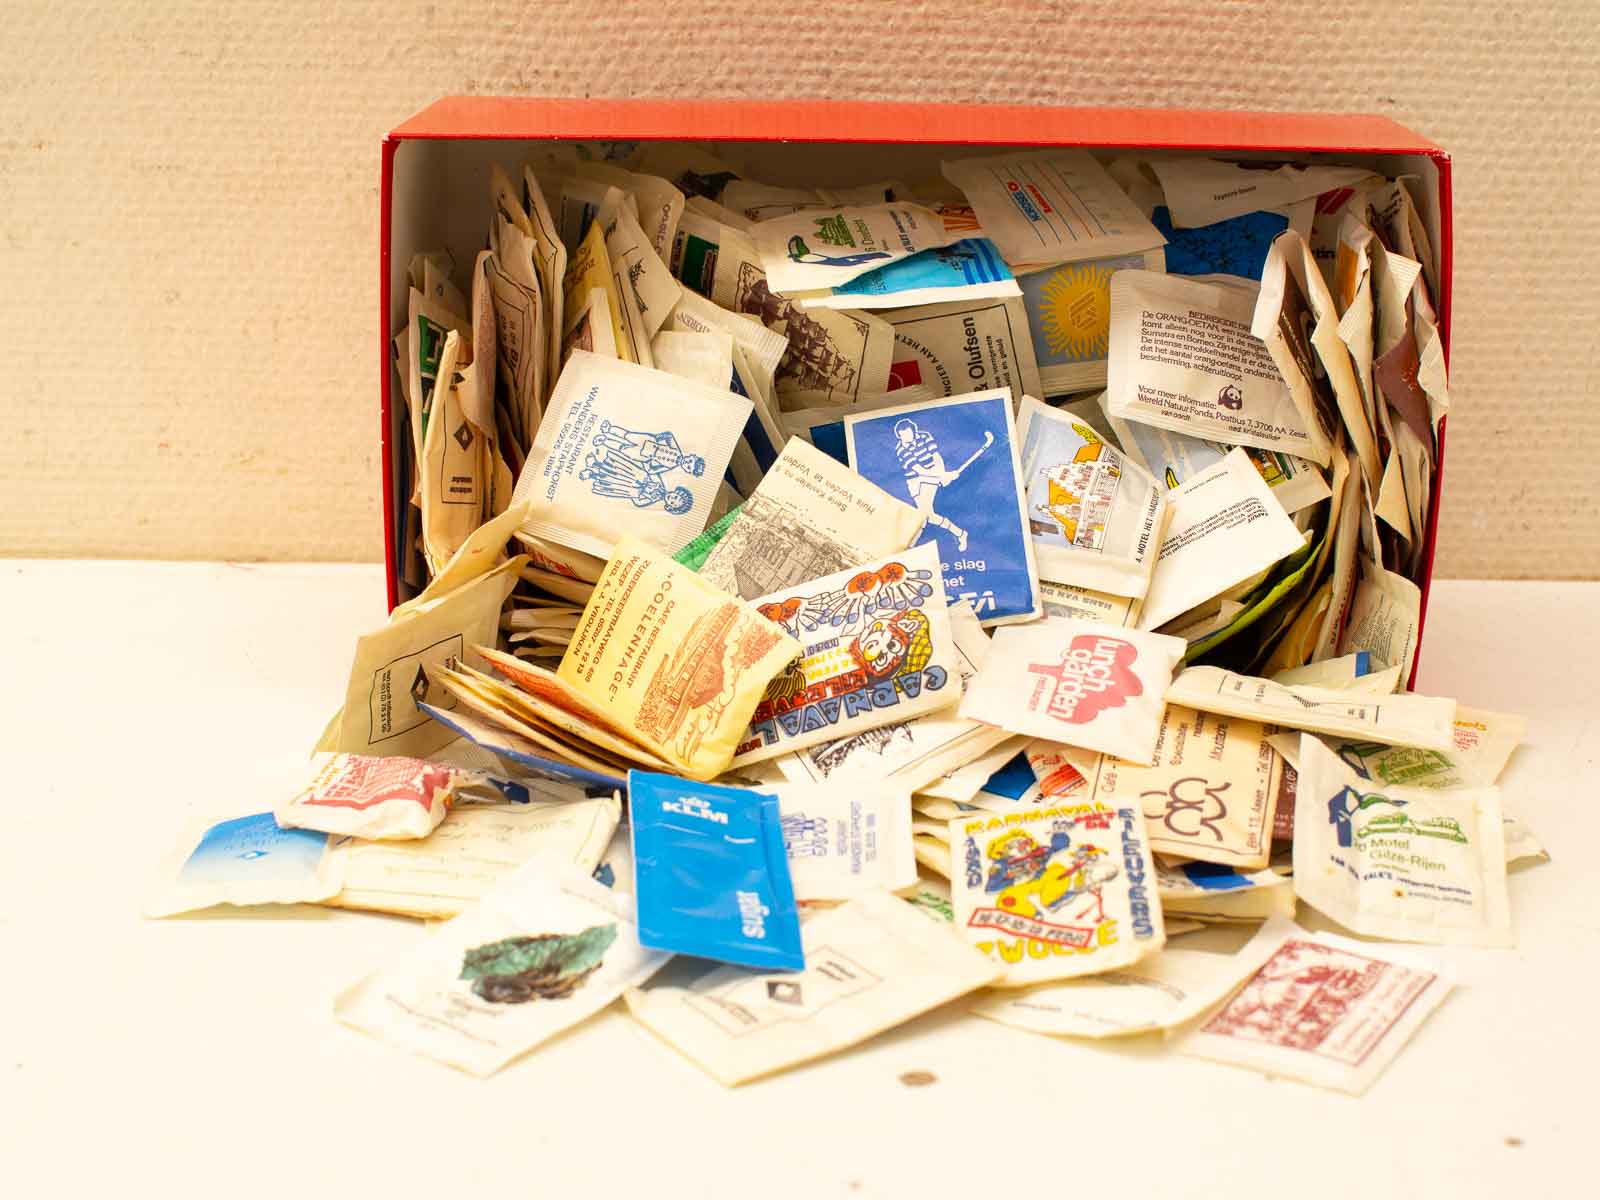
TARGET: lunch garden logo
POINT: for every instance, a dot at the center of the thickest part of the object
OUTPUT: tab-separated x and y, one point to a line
1094	674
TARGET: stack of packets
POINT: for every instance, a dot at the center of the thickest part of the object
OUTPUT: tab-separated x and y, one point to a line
884	596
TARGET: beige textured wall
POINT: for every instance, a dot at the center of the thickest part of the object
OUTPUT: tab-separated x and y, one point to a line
188	221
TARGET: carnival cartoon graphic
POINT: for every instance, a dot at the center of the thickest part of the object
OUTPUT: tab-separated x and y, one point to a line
1028	879
630	464
922	461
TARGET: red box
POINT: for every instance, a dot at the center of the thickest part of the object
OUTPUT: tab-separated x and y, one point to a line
435	166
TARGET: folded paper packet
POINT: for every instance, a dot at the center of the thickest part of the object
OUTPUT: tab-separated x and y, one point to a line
824	248
1183	358
1408	864
965	346
1051	206
1218	895
871	964
1056	891
1321	1009
968	270
1085	604
1069	315
962	784
1484	742
380	799
541	952
877	649
1160	992
244	861
811	516
841	843
917	752
589	280
1399	720
1203	191
606	460
473	851
1079	682
1210	791
711	873
1095	517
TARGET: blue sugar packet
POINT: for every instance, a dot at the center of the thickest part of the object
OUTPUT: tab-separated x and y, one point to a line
1237	246
961	265
711	874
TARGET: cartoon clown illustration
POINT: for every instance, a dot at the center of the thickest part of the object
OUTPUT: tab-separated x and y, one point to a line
1025	877
893	645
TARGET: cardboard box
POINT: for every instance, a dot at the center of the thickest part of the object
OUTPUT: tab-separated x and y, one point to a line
435	171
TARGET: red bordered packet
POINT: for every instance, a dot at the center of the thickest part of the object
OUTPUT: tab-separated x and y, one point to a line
379	799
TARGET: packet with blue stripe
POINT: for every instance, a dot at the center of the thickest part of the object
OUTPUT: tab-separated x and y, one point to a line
711	873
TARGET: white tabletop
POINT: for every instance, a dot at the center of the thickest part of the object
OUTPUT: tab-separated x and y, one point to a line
200	1056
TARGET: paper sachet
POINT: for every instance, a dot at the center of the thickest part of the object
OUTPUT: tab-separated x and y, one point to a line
1085	604
623	448
961	784
1183	358
1203	191
1219	895
1055	892
1484	742
244	861
375	798
957	461
1224	529
962	347
1096	518
474	850
871	964
968	270
1078	682
544	950
710	872
810	517
1401	720
877	648
842	842
1162	991
1211	791
824	248
1051	206
1069	315
1322	1009
1410	864
588	273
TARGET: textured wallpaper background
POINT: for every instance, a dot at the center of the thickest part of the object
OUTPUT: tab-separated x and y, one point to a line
188	221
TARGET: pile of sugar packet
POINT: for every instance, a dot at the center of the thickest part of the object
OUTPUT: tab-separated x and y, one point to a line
946	590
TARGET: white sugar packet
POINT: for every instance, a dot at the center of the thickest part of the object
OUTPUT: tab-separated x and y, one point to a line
1347	673
1225	528
244	861
965	346
1183	358
871	964
1162	991
843	840
1409	864
1398	720
1194	891
1096	518
1051	206
1321	1009
623	448
1078	682
962	783
1484	742
1203	191
537	955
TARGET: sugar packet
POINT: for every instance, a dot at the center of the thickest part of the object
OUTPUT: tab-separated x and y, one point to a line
968	270
1162	991
711	873
823	248
1220	895
957	461
1225	528
1209	792
1484	742
244	861
544	950
1183	358
810	517
1409	864
1322	1009
871	964
672	660
622	447
876	649
1069	315
1055	892
380	799
1081	603
965	346
842	842
1078	682
1203	191
1051	206
1096	518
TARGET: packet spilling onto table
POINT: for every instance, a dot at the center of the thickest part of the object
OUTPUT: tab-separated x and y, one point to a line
879	592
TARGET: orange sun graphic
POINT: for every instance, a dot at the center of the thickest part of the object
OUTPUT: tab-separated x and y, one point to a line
1075	311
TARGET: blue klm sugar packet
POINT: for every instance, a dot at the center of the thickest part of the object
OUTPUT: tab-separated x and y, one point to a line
711	874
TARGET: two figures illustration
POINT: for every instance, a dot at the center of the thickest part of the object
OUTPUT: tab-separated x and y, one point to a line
628	464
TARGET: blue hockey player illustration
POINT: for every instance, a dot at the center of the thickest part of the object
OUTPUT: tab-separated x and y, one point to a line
918	455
